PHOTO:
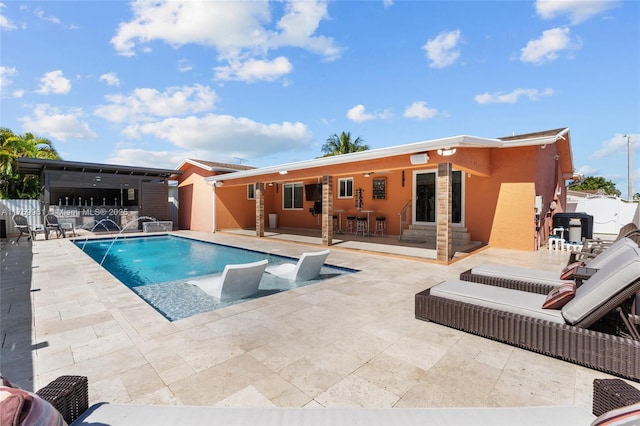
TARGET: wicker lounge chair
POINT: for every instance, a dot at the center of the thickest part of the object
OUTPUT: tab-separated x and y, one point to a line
307	268
236	282
535	280
595	329
594	246
69	395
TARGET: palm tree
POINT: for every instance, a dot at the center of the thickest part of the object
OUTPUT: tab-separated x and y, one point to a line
343	144
12	147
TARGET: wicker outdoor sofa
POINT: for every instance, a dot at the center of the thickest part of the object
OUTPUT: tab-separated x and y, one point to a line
69	395
596	329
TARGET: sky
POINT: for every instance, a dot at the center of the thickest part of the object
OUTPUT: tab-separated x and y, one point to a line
257	83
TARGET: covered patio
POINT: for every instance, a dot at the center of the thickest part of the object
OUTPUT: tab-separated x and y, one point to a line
447	193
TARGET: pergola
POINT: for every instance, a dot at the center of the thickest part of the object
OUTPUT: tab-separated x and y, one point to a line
92	190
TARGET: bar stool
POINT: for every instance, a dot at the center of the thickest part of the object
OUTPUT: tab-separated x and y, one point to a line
336	225
351	223
362	226
381	224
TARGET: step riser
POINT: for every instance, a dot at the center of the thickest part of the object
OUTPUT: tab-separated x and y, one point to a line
428	234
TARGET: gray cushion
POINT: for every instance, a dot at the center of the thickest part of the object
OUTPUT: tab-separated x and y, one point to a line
613	250
517	273
504	299
611	278
532	275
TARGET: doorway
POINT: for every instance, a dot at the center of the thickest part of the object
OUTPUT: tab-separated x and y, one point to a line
425	197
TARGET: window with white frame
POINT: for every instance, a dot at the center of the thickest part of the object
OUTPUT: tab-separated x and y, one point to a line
345	188
251	191
292	194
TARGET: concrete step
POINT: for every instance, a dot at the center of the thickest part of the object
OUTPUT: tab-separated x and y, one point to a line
428	234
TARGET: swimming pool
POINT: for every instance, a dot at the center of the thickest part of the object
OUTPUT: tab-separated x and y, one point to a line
157	269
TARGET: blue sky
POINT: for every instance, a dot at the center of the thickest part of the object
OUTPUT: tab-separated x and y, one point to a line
151	83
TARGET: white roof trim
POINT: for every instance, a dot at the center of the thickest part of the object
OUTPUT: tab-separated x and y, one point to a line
462	141
205	167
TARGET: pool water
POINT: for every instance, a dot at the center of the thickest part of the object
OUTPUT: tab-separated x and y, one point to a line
157	269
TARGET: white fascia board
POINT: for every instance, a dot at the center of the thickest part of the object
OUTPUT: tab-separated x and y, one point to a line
205	167
545	140
372	154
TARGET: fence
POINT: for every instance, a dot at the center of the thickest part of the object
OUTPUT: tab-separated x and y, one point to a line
27	208
609	213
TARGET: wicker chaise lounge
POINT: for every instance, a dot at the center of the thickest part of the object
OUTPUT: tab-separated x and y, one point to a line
580	332
69	394
535	280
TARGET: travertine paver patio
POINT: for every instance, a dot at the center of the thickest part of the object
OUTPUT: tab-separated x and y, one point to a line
348	341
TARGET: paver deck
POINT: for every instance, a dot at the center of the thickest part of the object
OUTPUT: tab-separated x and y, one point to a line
350	341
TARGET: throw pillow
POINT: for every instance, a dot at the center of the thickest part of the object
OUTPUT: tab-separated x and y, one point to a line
569	270
625	416
558	297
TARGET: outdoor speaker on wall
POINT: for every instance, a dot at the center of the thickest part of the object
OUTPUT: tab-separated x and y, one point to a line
419	158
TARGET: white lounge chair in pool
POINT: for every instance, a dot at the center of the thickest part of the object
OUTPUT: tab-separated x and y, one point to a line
236	281
307	268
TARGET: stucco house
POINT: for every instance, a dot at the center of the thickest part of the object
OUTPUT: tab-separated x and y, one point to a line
493	190
195	195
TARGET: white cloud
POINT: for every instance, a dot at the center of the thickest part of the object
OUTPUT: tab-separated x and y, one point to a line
144	104
358	114
616	145
218	136
110	78
548	47
512	97
253	69
17	93
577	10
184	65
299	25
40	14
419	110
5	23
240	32
154	159
54	123
587	170
6	73
54	82
442	51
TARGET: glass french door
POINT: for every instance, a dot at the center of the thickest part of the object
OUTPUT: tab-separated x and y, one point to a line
425	198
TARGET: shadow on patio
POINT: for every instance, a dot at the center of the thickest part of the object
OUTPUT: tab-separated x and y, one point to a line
16	312
377	244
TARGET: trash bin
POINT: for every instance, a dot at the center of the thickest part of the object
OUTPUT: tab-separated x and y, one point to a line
575	230
273	220
3	228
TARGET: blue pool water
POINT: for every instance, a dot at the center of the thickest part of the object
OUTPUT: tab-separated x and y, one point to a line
157	268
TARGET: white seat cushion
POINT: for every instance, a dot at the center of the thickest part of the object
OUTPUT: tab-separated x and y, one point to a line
504	299
519	274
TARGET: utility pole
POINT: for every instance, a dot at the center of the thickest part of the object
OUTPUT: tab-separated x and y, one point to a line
629	172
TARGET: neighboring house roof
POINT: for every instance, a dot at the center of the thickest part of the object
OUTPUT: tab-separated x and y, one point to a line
36	165
462	141
213	166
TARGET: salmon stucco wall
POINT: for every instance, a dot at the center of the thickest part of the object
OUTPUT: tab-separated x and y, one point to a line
195	197
499	208
234	210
